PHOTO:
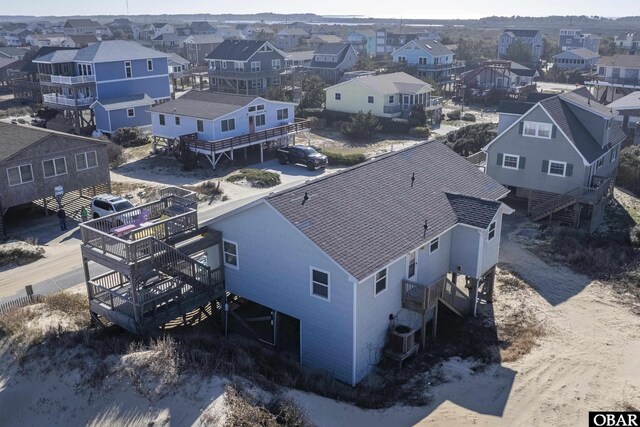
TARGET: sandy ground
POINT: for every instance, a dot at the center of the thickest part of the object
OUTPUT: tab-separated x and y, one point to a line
586	361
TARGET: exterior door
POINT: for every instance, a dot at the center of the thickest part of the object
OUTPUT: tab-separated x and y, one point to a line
252	124
405	102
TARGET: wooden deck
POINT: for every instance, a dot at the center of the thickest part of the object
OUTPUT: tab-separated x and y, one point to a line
423	298
153	277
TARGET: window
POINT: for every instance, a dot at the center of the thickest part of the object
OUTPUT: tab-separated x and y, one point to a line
338	96
319	283
275	80
275	64
422	61
131	112
230	250
391	99
54	167
381	281
492	230
177	120
87	160
411	268
370	99
228	125
127	69
510	161
283	114
252	108
600	163
402	59
539	130
260	120
238	66
200	125
557	168
224	65
614	154
255	65
161	117
149	64
19	175
260	107
433	245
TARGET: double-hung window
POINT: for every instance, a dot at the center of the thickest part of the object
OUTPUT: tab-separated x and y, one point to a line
228	125
411	268
200	125
131	112
319	283
161	118
537	129
381	281
434	244
177	120
260	120
510	161
86	160
19	175
557	168
492	231
230	250
370	99
283	114
338	96
255	65
127	69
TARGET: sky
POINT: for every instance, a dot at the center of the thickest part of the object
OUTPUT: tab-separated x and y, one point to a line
433	9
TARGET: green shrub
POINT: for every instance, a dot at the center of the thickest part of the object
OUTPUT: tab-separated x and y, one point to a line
361	126
115	154
343	157
395	125
454	115
468	117
256	177
629	169
130	137
420	132
22	121
470	139
417	116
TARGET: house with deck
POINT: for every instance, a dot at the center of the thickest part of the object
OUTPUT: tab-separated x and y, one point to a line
80	26
385	95
289	38
351	257
627	110
530	38
495	80
331	60
364	41
576	59
112	82
216	125
628	42
575	39
35	163
431	59
196	47
561	156
617	76
247	67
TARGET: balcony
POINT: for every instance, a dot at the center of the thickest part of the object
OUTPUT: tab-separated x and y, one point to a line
392	109
633	82
423	298
439	67
247	74
67	80
67	101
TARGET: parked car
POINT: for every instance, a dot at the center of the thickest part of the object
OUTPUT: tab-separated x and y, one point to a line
303	155
107	204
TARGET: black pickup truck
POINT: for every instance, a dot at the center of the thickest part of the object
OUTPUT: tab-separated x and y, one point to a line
302	154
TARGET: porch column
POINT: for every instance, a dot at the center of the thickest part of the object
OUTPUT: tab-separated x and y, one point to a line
473	294
261	153
490	282
454	278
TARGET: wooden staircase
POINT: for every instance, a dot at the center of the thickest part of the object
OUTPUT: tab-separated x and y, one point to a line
421	299
543	204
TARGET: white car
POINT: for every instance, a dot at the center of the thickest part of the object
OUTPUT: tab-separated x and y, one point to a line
107	204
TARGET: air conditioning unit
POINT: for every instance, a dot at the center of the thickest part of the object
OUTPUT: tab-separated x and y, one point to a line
402	339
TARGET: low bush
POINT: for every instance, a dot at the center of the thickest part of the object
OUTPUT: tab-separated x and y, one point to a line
470	139
317	123
468	117
361	126
395	125
256	177
420	132
130	137
115	154
629	169
19	253
211	189
344	157
454	115
634	236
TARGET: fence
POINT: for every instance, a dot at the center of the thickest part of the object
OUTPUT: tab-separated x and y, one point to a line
20	302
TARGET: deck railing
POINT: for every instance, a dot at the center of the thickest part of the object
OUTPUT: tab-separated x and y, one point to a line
243	140
52	98
455	297
422	298
478	158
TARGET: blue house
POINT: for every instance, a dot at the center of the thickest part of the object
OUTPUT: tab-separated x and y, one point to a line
112	82
432	60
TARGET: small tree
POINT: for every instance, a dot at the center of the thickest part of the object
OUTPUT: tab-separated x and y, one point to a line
312	92
629	169
361	126
130	137
277	93
365	63
519	52
417	116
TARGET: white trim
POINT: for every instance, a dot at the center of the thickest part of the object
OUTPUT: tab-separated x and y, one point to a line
66	170
564	168
431	242
355	335
149	61
224	258
375	282
133	109
134	78
511	155
311	282
130	67
495	231
517	122
86	159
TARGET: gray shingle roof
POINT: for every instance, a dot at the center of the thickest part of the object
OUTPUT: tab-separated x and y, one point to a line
339	49
620	60
117	50
368	215
434	47
203	104
521	70
57	56
473	211
81	22
392	83
514	107
119	103
580	52
561	110
629	102
235	50
522	33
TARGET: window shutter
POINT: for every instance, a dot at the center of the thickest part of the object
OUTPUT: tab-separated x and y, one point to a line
499	162
545	166
521	163
521	129
569	170
553	131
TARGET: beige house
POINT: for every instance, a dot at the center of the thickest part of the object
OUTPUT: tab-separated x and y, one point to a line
385	95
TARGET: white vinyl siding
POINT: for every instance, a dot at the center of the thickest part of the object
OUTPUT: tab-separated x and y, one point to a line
19	175
88	160
54	167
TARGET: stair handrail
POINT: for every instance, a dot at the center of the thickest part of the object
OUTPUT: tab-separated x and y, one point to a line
543	207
